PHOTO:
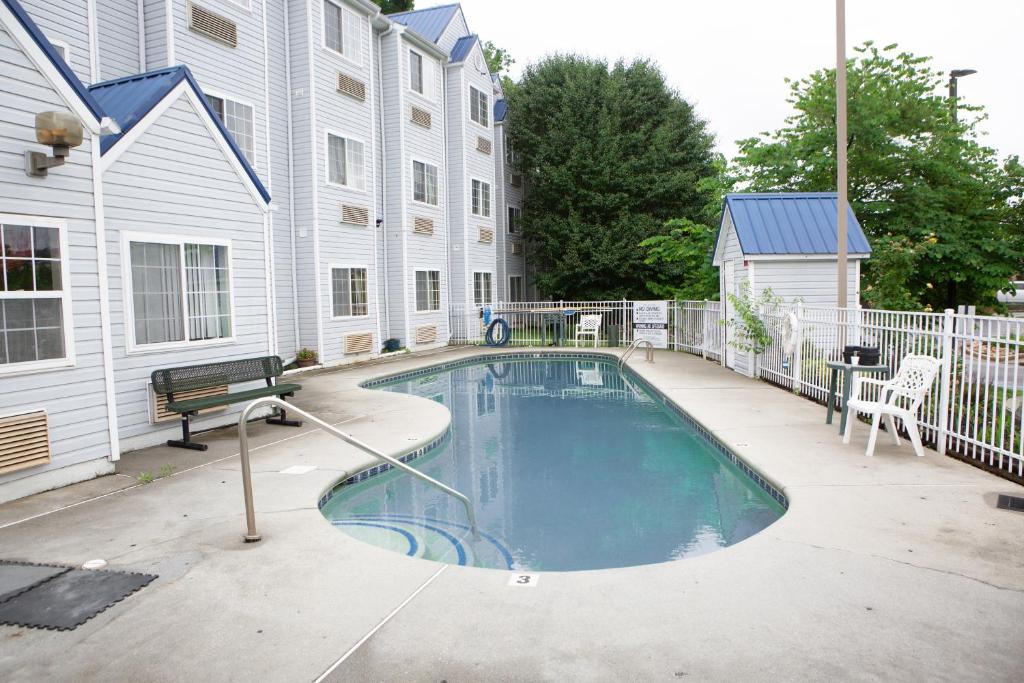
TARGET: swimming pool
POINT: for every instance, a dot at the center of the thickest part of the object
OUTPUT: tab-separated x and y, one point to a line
570	465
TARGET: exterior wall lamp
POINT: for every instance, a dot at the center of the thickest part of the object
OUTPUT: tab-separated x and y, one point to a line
58	129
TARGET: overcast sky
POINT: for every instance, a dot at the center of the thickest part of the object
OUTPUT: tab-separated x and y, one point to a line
729	57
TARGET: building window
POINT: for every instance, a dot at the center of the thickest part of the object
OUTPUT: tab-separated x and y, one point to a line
481	198
341	31
510	153
63	49
348	292
345	162
34	304
515	217
515	288
479	107
238	119
180	291
416	71
424	183
481	288
428	290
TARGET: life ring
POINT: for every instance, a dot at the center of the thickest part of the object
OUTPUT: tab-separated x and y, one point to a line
790	333
506	334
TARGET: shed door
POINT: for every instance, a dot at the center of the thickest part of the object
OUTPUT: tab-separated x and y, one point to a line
729	287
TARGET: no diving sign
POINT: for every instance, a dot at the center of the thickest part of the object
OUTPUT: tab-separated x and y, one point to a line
650	322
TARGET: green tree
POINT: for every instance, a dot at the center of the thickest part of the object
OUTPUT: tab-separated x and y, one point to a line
610	155
393	6
932	199
499	61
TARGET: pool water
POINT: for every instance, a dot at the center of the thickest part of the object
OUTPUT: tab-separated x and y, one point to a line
570	465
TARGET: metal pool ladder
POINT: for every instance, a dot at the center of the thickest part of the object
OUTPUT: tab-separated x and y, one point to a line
648	354
251	535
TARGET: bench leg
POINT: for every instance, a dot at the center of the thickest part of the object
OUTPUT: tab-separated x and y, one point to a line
282	419
186	437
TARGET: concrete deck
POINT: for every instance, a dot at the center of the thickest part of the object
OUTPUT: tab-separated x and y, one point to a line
893	567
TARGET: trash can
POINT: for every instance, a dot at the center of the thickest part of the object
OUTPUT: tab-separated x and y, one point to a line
614	335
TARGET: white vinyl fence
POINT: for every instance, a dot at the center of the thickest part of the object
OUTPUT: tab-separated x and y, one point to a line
975	409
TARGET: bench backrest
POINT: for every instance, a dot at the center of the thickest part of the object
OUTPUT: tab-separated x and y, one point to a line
191	377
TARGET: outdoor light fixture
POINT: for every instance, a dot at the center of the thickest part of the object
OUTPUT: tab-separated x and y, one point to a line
58	129
953	75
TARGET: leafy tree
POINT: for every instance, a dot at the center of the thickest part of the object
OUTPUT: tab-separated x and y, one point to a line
499	61
610	155
393	6
932	199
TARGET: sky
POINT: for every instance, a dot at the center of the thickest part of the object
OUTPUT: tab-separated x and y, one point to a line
729	57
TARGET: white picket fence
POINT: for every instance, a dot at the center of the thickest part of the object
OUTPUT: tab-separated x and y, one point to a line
975	409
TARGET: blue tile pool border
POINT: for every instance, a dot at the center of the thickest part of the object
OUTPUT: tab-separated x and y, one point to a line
722	449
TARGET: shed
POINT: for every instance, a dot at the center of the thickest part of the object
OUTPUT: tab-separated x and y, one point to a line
787	242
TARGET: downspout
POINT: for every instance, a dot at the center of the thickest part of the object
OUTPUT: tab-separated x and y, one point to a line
94	50
269	217
447	199
315	187
140	12
373	117
104	294
383	175
291	178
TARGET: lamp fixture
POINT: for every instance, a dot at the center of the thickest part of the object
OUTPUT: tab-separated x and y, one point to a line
58	129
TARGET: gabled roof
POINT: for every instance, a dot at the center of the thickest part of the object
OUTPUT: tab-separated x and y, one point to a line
463	46
131	98
429	23
54	61
500	110
801	223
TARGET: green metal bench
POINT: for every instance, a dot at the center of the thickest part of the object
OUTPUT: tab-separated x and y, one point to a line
188	378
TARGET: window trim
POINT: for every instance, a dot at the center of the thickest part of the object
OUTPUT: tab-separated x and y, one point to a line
490	287
487	107
323	32
221	95
132	348
490	198
412	181
522	288
331	267
434	69
67	315
328	132
63	45
440	289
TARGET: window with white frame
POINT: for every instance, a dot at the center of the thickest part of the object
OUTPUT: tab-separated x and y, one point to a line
481	288
515	216
63	49
349	292
34	302
424	183
341	31
515	288
180	290
238	119
510	153
345	162
416	72
481	204
479	106
428	290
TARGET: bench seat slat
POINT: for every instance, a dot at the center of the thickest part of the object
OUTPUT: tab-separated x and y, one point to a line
227	399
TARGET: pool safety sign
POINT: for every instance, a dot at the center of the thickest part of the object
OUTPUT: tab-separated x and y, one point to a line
650	322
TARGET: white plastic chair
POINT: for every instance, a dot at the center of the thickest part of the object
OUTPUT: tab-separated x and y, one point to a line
589	374
899	397
589	326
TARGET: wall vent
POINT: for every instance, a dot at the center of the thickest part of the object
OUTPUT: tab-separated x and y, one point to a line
24	441
421	117
358	342
212	25
483	144
351	87
515	180
486	236
427	334
422	226
517	248
355	215
158	402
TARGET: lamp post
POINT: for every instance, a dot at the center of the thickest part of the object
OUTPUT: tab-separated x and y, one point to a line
841	190
953	75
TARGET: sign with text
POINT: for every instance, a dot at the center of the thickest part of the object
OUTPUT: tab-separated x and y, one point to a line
650	322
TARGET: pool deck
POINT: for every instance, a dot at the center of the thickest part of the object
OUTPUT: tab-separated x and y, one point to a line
892	567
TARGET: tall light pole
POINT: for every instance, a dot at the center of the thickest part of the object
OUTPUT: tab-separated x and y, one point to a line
841	150
953	75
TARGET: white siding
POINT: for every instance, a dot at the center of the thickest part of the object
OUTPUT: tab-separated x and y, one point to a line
455	29
66	21
814	282
118	28
155	16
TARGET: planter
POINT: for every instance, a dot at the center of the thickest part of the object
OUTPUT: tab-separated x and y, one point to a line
305	362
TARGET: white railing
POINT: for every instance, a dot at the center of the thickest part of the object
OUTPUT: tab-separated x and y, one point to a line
545	323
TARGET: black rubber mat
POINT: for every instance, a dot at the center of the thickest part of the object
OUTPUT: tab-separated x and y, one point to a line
18	577
71	598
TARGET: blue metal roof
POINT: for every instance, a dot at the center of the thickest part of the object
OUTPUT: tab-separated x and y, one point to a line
429	23
51	53
462	48
791	223
500	109
129	99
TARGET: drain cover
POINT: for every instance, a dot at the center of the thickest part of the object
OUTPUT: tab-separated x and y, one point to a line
1006	502
68	598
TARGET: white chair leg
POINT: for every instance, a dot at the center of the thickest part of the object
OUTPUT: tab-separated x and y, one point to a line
890	426
915	438
876	420
848	432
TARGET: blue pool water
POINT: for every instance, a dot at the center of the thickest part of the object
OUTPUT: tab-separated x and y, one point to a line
569	465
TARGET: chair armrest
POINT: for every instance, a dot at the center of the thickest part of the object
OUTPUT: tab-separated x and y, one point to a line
884	387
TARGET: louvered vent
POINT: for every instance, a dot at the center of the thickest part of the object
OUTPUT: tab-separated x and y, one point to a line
516	180
421	117
422	226
24	441
158	402
212	25
483	144
517	248
358	342
426	334
486	235
351	87
355	215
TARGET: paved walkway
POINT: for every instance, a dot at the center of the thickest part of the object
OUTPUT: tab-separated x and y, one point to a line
892	567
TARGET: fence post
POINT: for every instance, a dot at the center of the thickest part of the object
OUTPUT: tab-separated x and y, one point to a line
704	330
799	352
946	378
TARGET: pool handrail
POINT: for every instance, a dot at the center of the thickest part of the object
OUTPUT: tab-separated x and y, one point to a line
648	353
251	535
